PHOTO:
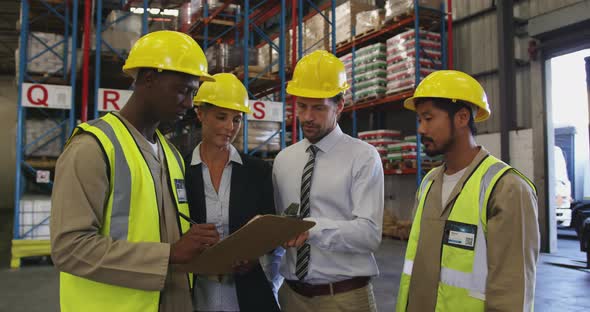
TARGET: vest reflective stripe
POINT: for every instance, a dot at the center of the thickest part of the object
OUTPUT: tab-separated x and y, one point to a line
408	266
131	214
463	272
117	228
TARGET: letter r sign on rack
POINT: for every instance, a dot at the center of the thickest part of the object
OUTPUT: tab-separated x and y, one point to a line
46	96
112	99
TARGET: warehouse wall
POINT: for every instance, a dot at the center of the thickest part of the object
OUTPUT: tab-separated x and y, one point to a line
8	98
475	37
476	52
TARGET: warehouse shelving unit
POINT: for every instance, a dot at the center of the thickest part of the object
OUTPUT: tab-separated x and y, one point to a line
314	10
242	28
109	59
419	20
246	42
61	18
113	55
245	24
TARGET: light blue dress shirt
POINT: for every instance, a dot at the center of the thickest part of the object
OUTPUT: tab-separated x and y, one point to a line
212	295
346	204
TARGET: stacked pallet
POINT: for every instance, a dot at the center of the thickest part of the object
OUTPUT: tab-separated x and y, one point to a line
42	60
39	142
346	16
381	139
258	133
395	9
402	156
401	59
370	72
34	214
392	227
368	21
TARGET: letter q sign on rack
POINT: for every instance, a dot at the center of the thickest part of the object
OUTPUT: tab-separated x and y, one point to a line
46	96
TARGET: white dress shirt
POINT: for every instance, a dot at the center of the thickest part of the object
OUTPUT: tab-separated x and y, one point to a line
211	295
346	202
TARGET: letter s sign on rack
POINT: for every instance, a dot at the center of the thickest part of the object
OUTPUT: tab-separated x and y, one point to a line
112	99
266	111
46	96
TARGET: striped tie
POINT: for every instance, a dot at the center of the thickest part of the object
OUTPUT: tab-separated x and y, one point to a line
303	251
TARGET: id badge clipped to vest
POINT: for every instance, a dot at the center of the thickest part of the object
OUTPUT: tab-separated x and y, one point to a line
460	235
180	191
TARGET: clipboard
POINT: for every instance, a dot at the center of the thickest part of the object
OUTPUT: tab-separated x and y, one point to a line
250	242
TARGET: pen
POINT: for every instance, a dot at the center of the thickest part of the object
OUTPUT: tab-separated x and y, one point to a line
187	218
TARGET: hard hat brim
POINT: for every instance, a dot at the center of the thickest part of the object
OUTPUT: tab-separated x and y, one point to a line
409	104
314	94
482	114
203	76
206	77
225	104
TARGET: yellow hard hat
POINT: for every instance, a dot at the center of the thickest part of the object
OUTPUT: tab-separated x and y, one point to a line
454	85
168	50
226	91
318	75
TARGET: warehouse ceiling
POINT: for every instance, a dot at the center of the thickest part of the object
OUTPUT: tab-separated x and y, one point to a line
10	15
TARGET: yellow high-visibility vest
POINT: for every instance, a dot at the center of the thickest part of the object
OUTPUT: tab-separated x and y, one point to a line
463	266
131	214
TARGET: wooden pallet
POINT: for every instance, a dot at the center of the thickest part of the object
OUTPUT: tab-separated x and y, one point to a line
411	164
393	228
368	32
56	79
395	236
399	90
254	71
357	37
367	99
42	162
399	17
251	69
409	13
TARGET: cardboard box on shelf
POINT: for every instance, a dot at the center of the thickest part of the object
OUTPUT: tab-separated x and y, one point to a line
225	58
369	20
34	214
258	133
45	53
47	146
122	33
346	17
397	8
316	34
267	55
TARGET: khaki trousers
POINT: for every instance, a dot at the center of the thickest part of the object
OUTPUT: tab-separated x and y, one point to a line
358	300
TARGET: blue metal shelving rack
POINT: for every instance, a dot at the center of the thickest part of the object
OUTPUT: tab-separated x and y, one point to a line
247	19
416	21
331	32
246	42
101	26
66	14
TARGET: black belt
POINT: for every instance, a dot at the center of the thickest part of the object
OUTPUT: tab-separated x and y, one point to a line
309	290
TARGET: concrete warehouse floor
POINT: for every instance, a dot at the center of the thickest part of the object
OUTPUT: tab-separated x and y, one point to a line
562	282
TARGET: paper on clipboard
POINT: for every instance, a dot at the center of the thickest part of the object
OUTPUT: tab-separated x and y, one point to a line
250	242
